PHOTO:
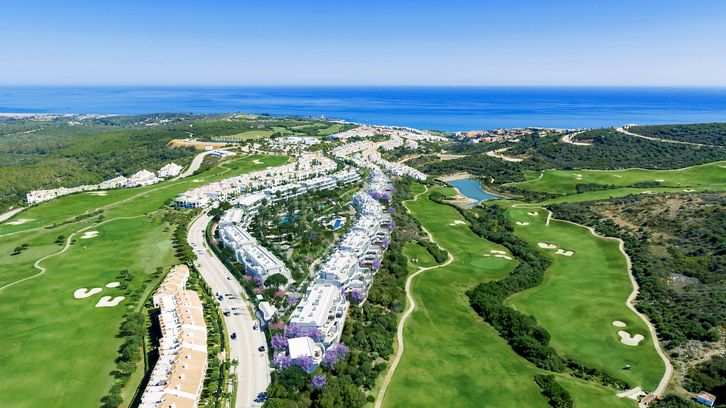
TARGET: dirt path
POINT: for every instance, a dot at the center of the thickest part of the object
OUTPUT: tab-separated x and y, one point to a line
412	305
498	154
621	130
9	214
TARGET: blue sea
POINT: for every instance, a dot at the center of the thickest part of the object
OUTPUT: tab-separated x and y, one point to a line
439	108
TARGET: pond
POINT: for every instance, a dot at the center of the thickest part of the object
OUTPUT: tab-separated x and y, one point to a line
472	189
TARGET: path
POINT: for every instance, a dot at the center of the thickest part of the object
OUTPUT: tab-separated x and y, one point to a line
568	139
10	213
412	305
669	368
621	130
498	154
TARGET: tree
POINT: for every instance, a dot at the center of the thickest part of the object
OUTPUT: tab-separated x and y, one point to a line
293	378
228	252
276	280
112	401
18	250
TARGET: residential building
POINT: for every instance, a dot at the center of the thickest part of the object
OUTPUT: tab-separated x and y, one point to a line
324	308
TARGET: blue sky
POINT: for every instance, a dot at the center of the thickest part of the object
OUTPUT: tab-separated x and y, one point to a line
457	42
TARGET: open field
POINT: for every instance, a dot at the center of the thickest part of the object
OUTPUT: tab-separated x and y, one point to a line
65	346
452	358
580	298
416	251
708	176
252	134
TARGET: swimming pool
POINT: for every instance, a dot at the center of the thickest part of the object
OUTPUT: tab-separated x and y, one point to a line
337	224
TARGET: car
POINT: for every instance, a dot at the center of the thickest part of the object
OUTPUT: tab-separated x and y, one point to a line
221	298
229	278
254	327
234	336
261	348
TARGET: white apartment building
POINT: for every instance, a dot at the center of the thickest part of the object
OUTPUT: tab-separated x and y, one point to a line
231	217
324	308
258	261
236	237
142	178
306	347
170	170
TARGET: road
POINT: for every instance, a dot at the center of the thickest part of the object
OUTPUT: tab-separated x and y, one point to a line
194	166
253	372
622	130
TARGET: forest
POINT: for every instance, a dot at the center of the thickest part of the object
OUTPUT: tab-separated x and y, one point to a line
704	133
482	166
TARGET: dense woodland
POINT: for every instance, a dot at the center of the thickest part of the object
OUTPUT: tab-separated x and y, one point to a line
485	167
704	133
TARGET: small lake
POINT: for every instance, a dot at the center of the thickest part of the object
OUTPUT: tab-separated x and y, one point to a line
472	189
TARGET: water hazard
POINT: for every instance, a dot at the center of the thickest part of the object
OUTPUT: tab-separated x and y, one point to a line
472	189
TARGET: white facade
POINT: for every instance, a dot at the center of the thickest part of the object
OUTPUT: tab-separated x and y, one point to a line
170	170
324	308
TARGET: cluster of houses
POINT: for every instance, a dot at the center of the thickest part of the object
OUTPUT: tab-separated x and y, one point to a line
398	169
397	131
308	168
178	376
142	178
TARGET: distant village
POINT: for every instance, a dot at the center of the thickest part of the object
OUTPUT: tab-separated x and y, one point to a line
500	135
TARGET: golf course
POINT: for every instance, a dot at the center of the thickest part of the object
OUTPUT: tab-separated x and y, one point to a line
452	357
61	318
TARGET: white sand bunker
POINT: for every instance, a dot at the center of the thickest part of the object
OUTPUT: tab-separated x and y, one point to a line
20	221
494	251
197	181
659	180
487	255
630	341
113	284
546	246
457	222
255	161
634	394
647	192
522	223
107	302
689	191
563	252
533	213
89	234
618	323
98	193
615	175
84	293
504	256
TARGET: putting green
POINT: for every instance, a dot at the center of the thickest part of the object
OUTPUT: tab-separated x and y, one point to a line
452	358
580	298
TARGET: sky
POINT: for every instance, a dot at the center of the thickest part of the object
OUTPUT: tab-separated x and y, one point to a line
454	42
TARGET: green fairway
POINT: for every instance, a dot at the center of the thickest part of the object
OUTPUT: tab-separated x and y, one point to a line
63	345
415	252
708	176
452	358
582	295
252	134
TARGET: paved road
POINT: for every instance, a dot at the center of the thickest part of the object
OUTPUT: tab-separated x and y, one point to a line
9	214
194	166
253	372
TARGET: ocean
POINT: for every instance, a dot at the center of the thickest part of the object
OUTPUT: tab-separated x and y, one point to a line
437	108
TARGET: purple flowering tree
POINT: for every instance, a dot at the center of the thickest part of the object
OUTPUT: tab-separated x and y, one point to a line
279	342
291	300
335	354
258	281
392	225
376	195
304	362
391	210
391	181
375	264
385	242
281	361
361	262
385	196
314	334
356	295
319	381
293	331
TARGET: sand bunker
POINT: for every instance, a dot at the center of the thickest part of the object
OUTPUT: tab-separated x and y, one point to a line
546	246
563	252
630	341
197	181
647	192
689	191
457	222
107	302
487	255
89	234
618	323
84	293
255	161
659	180
98	193
634	394
494	251
113	284
504	256
615	175
533	213
522	223
20	221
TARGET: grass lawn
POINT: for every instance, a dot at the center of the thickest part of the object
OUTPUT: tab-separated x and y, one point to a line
582	295
707	176
416	251
66	346
252	134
